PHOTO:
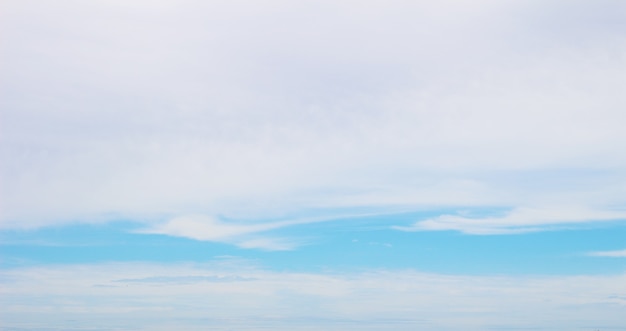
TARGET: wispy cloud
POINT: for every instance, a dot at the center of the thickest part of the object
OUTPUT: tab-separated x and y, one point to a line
202	227
184	279
243	233
519	220
617	253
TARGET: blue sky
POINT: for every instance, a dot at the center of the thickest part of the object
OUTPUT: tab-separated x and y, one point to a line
307	165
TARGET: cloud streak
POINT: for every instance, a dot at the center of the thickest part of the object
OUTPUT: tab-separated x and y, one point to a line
202	227
184	279
617	253
519	220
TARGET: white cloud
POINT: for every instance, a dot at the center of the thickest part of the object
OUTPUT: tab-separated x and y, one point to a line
206	228
202	227
245	296
519	220
271	244
153	110
617	253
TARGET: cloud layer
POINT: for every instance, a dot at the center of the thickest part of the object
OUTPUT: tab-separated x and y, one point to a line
235	294
153	110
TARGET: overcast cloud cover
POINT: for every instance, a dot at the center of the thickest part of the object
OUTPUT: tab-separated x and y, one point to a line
161	108
227	121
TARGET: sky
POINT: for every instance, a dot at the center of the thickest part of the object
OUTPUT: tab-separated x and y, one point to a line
312	165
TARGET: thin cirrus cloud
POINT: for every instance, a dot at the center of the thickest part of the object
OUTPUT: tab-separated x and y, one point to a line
257	235
183	279
206	228
152	111
519	220
617	253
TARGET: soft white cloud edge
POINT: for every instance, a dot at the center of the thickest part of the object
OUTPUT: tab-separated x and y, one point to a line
617	253
206	228
519	220
244	234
